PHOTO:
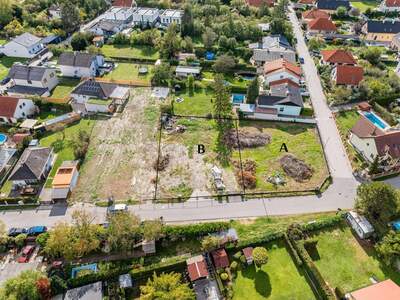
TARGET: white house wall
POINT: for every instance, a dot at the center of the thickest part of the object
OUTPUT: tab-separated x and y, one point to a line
365	146
24	108
71	71
281	75
14	49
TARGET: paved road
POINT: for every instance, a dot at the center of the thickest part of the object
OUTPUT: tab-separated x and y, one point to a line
340	194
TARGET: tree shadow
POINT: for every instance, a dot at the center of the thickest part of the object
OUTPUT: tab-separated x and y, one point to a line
263	283
248	271
313	252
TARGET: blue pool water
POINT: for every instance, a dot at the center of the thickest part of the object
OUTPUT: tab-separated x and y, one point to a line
238	98
378	122
3	138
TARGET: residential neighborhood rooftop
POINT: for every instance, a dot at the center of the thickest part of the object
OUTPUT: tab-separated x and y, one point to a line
386	289
338	56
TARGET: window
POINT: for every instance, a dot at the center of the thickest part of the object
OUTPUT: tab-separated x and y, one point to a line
23	114
23	104
45	80
51	75
20	106
281	108
29	81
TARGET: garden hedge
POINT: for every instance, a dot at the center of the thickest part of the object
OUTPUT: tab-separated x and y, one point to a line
194	230
292	251
324	223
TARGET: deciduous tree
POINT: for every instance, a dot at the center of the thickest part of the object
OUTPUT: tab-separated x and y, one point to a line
224	64
389	247
260	256
210	243
70	16
122	230
22	287
253	91
171	42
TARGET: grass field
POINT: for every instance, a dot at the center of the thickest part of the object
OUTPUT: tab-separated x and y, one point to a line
128	71
198	104
237	81
140	52
6	63
62	142
365	4
344	263
64	87
301	140
277	280
2	41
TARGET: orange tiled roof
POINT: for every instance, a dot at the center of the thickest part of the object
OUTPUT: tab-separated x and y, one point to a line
278	64
386	289
314	14
349	75
322	24
338	56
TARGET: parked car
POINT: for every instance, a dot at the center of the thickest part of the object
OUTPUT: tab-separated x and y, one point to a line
5	81
117	208
26	253
304	92
301	60
16	231
36	230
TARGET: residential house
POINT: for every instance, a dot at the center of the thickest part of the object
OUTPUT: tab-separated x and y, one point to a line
65	179
31	80
259	3
220	258
13	109
387	290
185	71
33	166
107	28
307	3
169	16
337	57
80	64
123	3
347	75
92	291
7	158
271	48
321	25
284	98
25	45
95	96
145	17
330	6
314	13
197	267
395	44
54	11
360	225
374	138
389	5
380	32
397	70
281	69
124	14
248	254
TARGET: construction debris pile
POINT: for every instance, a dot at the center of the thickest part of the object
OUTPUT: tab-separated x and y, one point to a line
295	168
161	163
247	176
246	139
169	125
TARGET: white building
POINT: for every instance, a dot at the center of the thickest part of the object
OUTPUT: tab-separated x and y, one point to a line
360	224
31	80
65	179
146	17
185	71
170	16
124	14
80	64
25	45
13	109
281	69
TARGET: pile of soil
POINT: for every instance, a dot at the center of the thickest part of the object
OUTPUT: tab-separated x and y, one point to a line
248	178
246	139
162	162
295	168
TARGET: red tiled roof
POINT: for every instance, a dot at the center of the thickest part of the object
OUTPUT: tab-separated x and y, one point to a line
197	269
258	3
322	24
364	106
314	14
392	3
281	63
286	80
18	138
122	3
387	290
248	252
8	106
220	258
349	75
338	56
389	142
364	128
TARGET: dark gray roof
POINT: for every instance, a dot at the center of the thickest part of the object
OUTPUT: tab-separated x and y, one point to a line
26	39
284	94
27	90
31	164
390	26
24	72
109	25
76	59
332	4
94	88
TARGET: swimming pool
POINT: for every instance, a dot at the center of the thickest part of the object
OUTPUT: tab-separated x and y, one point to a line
377	121
3	138
238	98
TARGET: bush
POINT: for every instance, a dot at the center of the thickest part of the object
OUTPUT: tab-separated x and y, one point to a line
385	114
20	240
339	293
325	223
234	265
194	230
243	259
42	239
293	252
58	285
224	276
237	255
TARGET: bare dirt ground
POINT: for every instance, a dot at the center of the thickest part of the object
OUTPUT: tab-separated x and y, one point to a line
121	153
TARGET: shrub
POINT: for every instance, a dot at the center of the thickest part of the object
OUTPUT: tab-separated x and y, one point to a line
58	285
42	239
292	252
224	276
237	255
20	240
243	259
339	293
234	265
194	230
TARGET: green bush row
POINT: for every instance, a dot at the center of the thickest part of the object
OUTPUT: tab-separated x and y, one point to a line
259	240
292	251
385	114
162	267
324	223
194	230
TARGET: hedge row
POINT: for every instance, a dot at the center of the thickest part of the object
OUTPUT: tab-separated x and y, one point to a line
194	230
292	251
325	223
146	272
25	200
260	240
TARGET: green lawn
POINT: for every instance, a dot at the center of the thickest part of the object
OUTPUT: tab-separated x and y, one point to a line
198	104
344	263
64	87
6	63
301	140
47	115
2	41
140	52
128	71
365	4
279	279
64	141
233	80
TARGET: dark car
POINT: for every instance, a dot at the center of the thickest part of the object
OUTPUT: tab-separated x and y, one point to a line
5	80
36	230
301	60
16	231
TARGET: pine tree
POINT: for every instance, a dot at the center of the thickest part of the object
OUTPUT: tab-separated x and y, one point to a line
252	91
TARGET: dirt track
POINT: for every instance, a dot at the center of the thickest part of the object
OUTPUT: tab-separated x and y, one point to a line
121	153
